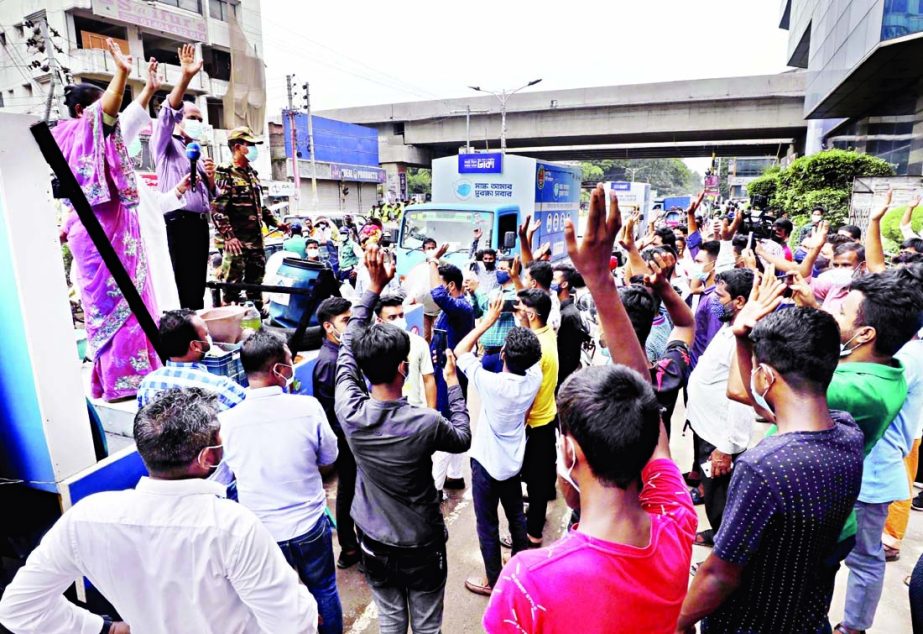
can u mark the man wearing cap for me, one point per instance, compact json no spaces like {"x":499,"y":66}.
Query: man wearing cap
{"x":239,"y":214}
{"x":178,"y":124}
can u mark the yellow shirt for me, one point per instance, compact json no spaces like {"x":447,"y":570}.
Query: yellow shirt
{"x":544,"y":409}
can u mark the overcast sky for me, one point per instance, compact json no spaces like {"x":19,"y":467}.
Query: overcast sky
{"x":364,"y":52}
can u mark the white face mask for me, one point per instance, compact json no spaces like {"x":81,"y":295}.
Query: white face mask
{"x":845,"y":350}
{"x":565,"y":472}
{"x":400,"y":322}
{"x":193,"y":128}
{"x":288,"y":379}
{"x":214,"y":466}
{"x":337,"y":335}
{"x":312,"y":253}
{"x":697,"y":272}
{"x":760,"y":399}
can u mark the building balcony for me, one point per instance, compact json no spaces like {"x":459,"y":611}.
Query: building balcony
{"x":95,"y":63}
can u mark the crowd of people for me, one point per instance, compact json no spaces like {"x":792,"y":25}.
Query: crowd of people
{"x":820,"y":343}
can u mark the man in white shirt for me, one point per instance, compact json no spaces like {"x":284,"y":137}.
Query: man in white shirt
{"x":420,"y":383}
{"x":172,"y":555}
{"x":499,"y":443}
{"x":722,"y":427}
{"x":276,"y":444}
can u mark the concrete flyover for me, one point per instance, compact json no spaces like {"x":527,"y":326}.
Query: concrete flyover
{"x":733,"y":116}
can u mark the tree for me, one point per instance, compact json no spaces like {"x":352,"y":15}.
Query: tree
{"x":419,"y":180}
{"x":823,"y":179}
{"x":667,"y":176}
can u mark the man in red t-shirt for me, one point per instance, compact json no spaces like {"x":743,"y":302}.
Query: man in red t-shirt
{"x":624,"y":566}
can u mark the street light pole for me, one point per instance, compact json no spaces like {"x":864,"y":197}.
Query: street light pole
{"x":468,"y":112}
{"x":503,"y":96}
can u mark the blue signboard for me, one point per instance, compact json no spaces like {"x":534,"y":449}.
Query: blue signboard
{"x":557,"y":198}
{"x":491,"y":163}
{"x":621,"y":186}
{"x":334,"y":141}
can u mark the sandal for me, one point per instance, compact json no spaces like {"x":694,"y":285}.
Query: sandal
{"x":892,"y":554}
{"x":704,"y":538}
{"x":478,"y":586}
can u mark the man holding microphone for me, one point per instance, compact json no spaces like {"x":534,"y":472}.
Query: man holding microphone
{"x":177,"y":128}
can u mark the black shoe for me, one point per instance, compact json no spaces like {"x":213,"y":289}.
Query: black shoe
{"x":348,"y":559}
{"x":507,"y":542}
{"x":917,"y":502}
{"x":454,"y":483}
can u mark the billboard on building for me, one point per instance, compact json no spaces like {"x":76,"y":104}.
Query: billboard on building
{"x":334,"y":141}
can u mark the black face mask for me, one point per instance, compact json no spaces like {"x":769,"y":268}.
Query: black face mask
{"x":490,"y":266}
{"x":777,"y":239}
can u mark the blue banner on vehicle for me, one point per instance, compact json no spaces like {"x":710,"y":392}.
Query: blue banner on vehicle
{"x":480,"y":163}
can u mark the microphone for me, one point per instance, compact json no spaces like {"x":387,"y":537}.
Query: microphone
{"x":193,"y":152}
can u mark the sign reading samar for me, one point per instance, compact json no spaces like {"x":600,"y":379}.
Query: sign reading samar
{"x":491,"y":163}
{"x":185,"y":24}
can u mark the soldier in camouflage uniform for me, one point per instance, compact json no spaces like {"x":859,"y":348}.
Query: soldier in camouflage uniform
{"x":238,"y":214}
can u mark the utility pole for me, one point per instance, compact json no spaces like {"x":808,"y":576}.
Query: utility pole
{"x":296,"y":176}
{"x":307,"y":103}
{"x":503,"y":96}
{"x":468,"y":112}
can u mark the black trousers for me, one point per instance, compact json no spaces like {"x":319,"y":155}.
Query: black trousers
{"x":538,"y":472}
{"x":346,"y":491}
{"x":715,"y":490}
{"x":187,"y":237}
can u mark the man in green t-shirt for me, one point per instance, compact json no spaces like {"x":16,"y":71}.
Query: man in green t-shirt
{"x":881,"y":313}
{"x":295,"y":244}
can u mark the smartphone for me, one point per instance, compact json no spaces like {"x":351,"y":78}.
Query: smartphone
{"x":789,"y":279}
{"x":706,"y":468}
{"x":441,"y":337}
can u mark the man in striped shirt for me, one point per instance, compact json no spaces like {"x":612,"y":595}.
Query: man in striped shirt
{"x":185,"y":338}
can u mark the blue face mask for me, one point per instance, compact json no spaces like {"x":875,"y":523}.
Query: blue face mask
{"x":720,"y":312}
{"x":555,"y":287}
{"x":760,"y":399}
{"x":502,"y":277}
{"x":252,"y":153}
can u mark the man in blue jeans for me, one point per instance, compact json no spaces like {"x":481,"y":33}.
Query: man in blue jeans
{"x":500,"y":441}
{"x":276,"y":444}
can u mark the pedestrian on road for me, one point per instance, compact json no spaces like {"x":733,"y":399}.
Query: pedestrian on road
{"x":402,"y":532}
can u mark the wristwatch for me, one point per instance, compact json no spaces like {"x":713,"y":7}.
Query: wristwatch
{"x":107,"y":625}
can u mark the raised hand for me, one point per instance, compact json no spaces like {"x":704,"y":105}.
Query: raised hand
{"x":591,"y":256}
{"x":749,"y":258}
{"x":441,"y":251}
{"x":516,"y":267}
{"x":879,"y":213}
{"x":695,"y":203}
{"x":818,"y":236}
{"x":527,"y":229}
{"x":478,"y":233}
{"x":765,"y":297}
{"x":448,"y":372}
{"x":494,"y":308}
{"x":121,"y":60}
{"x":187,"y":62}
{"x":914,"y":203}
{"x":153,"y":79}
{"x":655,"y":278}
{"x":802,"y":293}
{"x":380,"y":268}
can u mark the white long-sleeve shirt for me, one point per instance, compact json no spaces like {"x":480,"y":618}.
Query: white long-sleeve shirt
{"x":171,"y":556}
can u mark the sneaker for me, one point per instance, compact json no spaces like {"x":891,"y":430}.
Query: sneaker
{"x":507,"y":542}
{"x":917,"y":502}
{"x":348,"y":559}
{"x":478,"y":585}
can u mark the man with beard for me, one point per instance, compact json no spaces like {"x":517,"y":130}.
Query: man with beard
{"x":722,"y":427}
{"x":781,"y":231}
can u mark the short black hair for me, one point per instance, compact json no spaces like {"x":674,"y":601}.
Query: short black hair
{"x":491,"y":252}
{"x":739,"y":243}
{"x":739,"y":282}
{"x":907,"y":257}
{"x":451,"y":273}
{"x":712,"y":248}
{"x":802,"y":344}
{"x":852,"y":230}
{"x":613,"y":413}
{"x":539,"y":300}
{"x":177,"y":331}
{"x":641,"y":307}
{"x":311,"y":241}
{"x":818,"y":208}
{"x":428,"y":241}
{"x":331,"y":308}
{"x":261,"y":350}
{"x":391,"y":300}
{"x":570,"y":275}
{"x":521,"y":350}
{"x":682,"y":229}
{"x":836,"y":239}
{"x":667,"y":237}
{"x":914,"y":244}
{"x":892,"y":304}
{"x":541,"y":272}
{"x":380,"y":349}
{"x":785,"y":225}
{"x":848,"y":247}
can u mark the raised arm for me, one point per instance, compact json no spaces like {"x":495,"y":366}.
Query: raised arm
{"x":151,"y":85}
{"x":680,"y":314}
{"x":188,"y":69}
{"x":692,"y":224}
{"x":906,"y":220}
{"x":591,"y":258}
{"x":112,"y":98}
{"x":470,"y":340}
{"x":526,"y":231}
{"x":874,"y":250}
{"x":635,"y":264}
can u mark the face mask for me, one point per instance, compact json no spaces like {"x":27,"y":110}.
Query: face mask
{"x":721,"y":312}
{"x":565,"y":472}
{"x":555,"y":287}
{"x":134,"y":148}
{"x":816,"y":219}
{"x":503,"y":277}
{"x":312,"y":253}
{"x":402,"y":373}
{"x":698,"y":272}
{"x":336,"y":334}
{"x":845,"y":350}
{"x":840,"y":276}
{"x":193,"y":128}
{"x":760,"y":399}
{"x":288,"y":379}
{"x":400,"y":322}
{"x":213,"y":466}
{"x":490,"y":266}
{"x":428,"y":253}
{"x":207,"y":345}
{"x":605,"y":352}
{"x":252,"y":153}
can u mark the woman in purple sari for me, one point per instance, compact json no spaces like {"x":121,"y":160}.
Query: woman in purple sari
{"x":92,"y":144}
